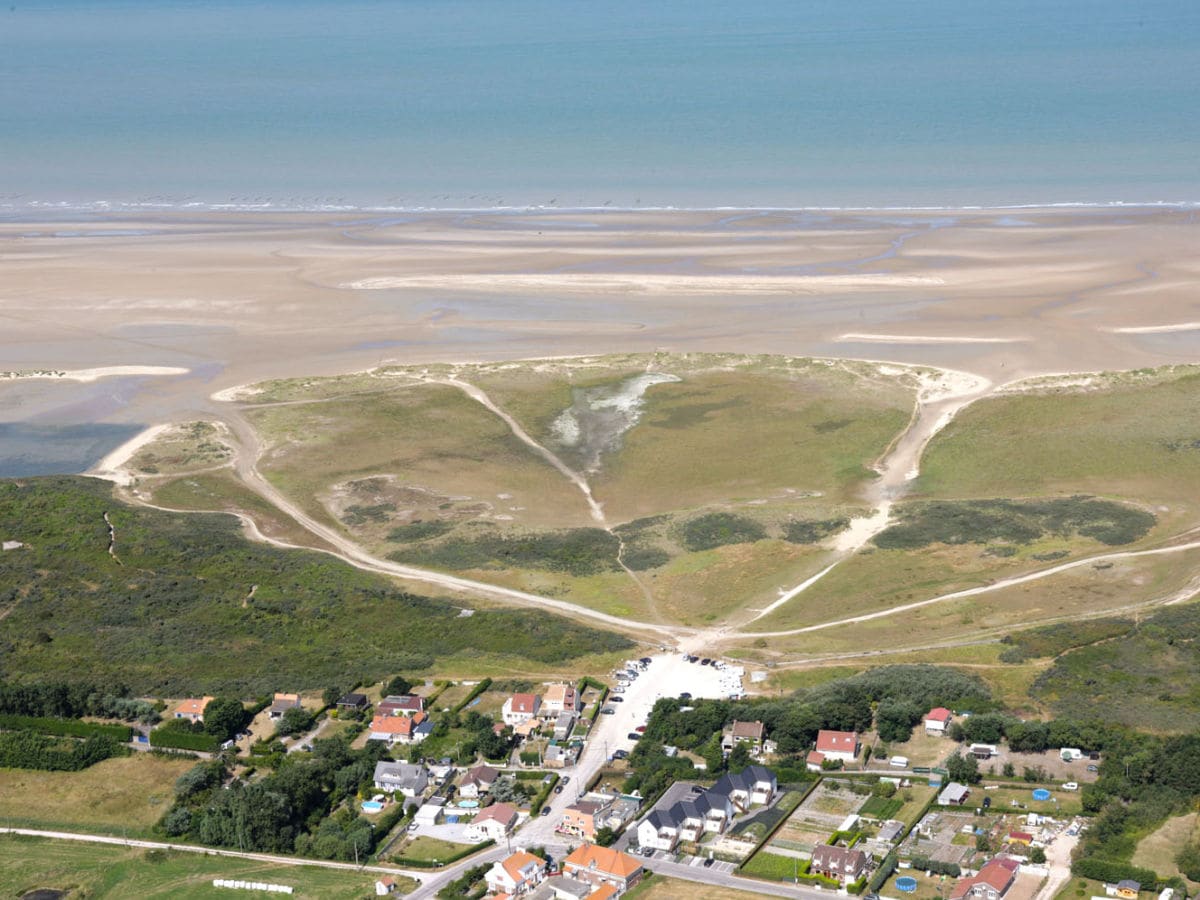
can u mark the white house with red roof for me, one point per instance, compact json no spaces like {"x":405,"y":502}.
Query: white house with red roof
{"x":515,"y":875}
{"x":520,"y":708}
{"x":841,"y":745}
{"x":495,"y":822}
{"x":937,"y":720}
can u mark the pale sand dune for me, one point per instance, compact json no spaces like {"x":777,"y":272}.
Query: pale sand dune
{"x":859,"y":337}
{"x":112,"y":466}
{"x":660,"y":284}
{"x":1156,"y":329}
{"x":86,"y":375}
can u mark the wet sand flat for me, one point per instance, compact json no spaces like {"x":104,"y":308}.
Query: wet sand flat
{"x":238,"y":297}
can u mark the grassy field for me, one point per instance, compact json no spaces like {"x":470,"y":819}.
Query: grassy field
{"x":1156,"y":851}
{"x":1130,"y":436}
{"x":1090,"y":590}
{"x":94,"y":870}
{"x":460,"y":493}
{"x":1081,"y":887}
{"x":771,"y":866}
{"x":1020,"y":799}
{"x":126,"y":795}
{"x":427,"y":848}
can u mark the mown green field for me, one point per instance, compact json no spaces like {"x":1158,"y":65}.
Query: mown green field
{"x":98,"y":870}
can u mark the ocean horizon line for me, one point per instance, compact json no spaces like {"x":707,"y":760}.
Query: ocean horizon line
{"x":122,"y":206}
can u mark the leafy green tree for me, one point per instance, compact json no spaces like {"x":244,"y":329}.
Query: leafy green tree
{"x":963,"y":769}
{"x":605,"y":837}
{"x":739,"y":758}
{"x":1037,"y":856}
{"x":399,"y":685}
{"x":884,"y":789}
{"x":295,"y":720}
{"x":224,"y":717}
{"x":1009,"y":770}
{"x":331,"y":695}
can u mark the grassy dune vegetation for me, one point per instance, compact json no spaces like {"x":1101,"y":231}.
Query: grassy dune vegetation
{"x":1131,"y":436}
{"x":1147,"y":675}
{"x":721,"y":491}
{"x":189,"y":606}
{"x":95,"y":870}
{"x":1091,"y":589}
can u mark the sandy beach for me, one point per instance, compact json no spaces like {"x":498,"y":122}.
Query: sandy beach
{"x":234,"y":298}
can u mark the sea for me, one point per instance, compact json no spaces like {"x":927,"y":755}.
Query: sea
{"x":413,"y":104}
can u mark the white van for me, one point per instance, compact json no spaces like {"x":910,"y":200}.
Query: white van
{"x":898,"y":762}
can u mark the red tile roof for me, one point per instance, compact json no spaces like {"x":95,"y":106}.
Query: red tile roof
{"x":837,"y":741}
{"x":939,"y":714}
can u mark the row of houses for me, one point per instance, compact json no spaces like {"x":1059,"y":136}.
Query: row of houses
{"x":192,"y":709}
{"x":708,"y":811}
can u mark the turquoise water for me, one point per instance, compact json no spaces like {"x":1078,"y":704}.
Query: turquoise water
{"x":480,"y":103}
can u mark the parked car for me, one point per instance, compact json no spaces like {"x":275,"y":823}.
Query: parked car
{"x":685,"y":696}
{"x":1093,"y":768}
{"x":646,"y":660}
{"x":558,"y":788}
{"x":617,"y":699}
{"x":545,"y":811}
{"x":621,"y":754}
{"x":708,"y":862}
{"x":634,"y":736}
{"x":608,"y":711}
{"x":1070,"y":786}
{"x":566,"y":779}
{"x":647,"y":852}
{"x":987,"y":802}
{"x":641,"y":729}
{"x":706,"y":661}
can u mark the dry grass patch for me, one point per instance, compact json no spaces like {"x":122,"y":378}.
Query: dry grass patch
{"x":1156,"y":851}
{"x":123,"y":795}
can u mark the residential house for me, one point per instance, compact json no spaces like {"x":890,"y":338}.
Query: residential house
{"x":410,"y":780}
{"x":520,"y":708}
{"x":193,"y":709}
{"x":993,"y":880}
{"x":813,"y":762}
{"x":579,"y":820}
{"x":1126,"y":889}
{"x":563,"y":725}
{"x":352,"y":702}
{"x":937,"y":720}
{"x":281,"y":704}
{"x":599,"y":866}
{"x":753,"y":786}
{"x":493,"y":823}
{"x":1020,"y":837}
{"x":478,"y":781}
{"x":516,"y":875}
{"x":559,"y":756}
{"x":560,"y":698}
{"x":400,"y":729}
{"x":400,"y":705}
{"x":954,"y":794}
{"x":842,"y":863}
{"x":840,"y":745}
{"x":687,"y":820}
{"x":749,"y":733}
{"x":385,"y":885}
